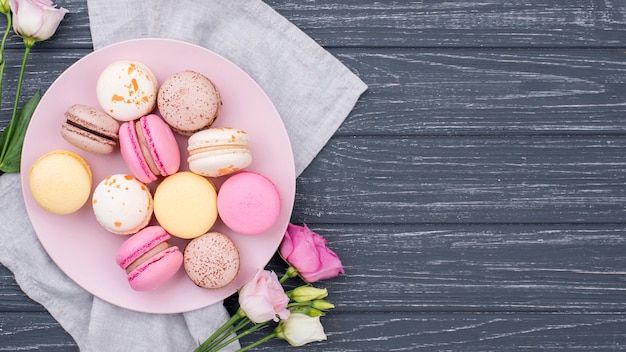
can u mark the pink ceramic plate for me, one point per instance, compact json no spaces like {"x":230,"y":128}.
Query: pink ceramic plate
{"x":83,"y":249}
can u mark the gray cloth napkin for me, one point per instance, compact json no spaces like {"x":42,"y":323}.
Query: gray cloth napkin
{"x":312,"y":91}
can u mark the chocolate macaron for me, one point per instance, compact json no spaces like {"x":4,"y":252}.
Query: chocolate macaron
{"x":90,"y":129}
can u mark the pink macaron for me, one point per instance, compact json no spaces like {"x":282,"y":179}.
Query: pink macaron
{"x":248,"y":203}
{"x":149,"y":260}
{"x":149,"y":148}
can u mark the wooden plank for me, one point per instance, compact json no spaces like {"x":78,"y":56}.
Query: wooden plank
{"x":392,"y":332}
{"x":416,"y":180}
{"x":477,"y":92}
{"x":475,"y":196}
{"x":12,"y":299}
{"x":465,"y":332}
{"x":459,"y":24}
{"x":516,"y":23}
{"x":49,"y":65}
{"x":461,"y":268}
{"x":476,"y":268}
{"x":479,"y":268}
{"x":440,"y":92}
{"x":33,"y":332}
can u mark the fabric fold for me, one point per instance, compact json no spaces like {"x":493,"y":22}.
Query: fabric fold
{"x":311,"y":89}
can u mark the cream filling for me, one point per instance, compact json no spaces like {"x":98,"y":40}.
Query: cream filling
{"x":215,"y":148}
{"x":149,"y":254}
{"x":145,"y":150}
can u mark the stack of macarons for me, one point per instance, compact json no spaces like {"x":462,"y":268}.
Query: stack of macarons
{"x":157,"y":198}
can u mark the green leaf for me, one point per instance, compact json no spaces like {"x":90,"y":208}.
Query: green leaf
{"x":12,"y":159}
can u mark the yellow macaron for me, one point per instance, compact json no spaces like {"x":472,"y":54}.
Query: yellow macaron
{"x":185,"y":204}
{"x":60,"y":181}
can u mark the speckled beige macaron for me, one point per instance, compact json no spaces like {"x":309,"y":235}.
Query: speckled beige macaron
{"x":211,"y":260}
{"x":189,"y":102}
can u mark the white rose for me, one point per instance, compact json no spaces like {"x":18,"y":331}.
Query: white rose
{"x":300,"y":329}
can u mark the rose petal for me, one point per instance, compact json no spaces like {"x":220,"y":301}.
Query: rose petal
{"x":286,"y":246}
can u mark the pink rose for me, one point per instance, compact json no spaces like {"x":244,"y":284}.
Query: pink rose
{"x":307,"y":252}
{"x":263,"y":298}
{"x":35,"y":20}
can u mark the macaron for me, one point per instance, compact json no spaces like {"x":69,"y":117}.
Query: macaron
{"x":211,"y":260}
{"x":185,"y":204}
{"x":148,"y":258}
{"x":90,"y":129}
{"x":149,"y":148}
{"x":127,"y":90}
{"x":248,"y":203}
{"x":122,"y":204}
{"x":216,"y":152}
{"x":189,"y":102}
{"x":60,"y":181}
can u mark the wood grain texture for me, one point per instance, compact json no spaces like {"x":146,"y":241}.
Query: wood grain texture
{"x":393,"y":332}
{"x":12,"y":299}
{"x":475,"y":194}
{"x":391,"y":180}
{"x":441,"y":92}
{"x":478,"y":268}
{"x":42,"y":69}
{"x":467,"y":332}
{"x":514,"y":23}
{"x":33,"y":332}
{"x":435,"y":24}
{"x":477,"y":92}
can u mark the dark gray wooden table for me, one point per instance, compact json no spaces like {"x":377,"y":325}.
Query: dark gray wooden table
{"x":475,"y":194}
